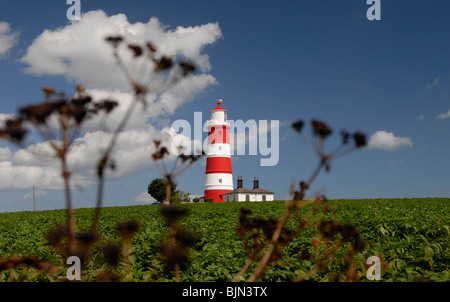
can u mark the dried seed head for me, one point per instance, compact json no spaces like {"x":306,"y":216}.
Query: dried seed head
{"x":55,"y":235}
{"x":183,"y":157}
{"x":38,"y":114}
{"x":359,"y":245}
{"x":360,"y":139}
{"x":81,"y":101}
{"x":298,"y":125}
{"x":286,"y":236}
{"x":80,"y":89}
{"x":128,"y":228}
{"x":329,"y":228}
{"x":348,"y":231}
{"x":77,"y":113}
{"x":135,"y":49}
{"x":172,"y":213}
{"x":111,"y":252}
{"x":173,"y":254}
{"x":86,"y":238}
{"x":185,"y":238}
{"x":345,"y":137}
{"x":163,"y":63}
{"x":14,"y":130}
{"x":320,"y":129}
{"x":303,"y":186}
{"x":258,"y":222}
{"x":245,"y":211}
{"x":48,"y":91}
{"x":160,"y":154}
{"x":270,"y":227}
{"x":114,"y":40}
{"x":107,"y":105}
{"x":305,"y":255}
{"x":187,"y":67}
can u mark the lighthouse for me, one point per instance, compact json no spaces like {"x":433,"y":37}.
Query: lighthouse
{"x":219,"y":177}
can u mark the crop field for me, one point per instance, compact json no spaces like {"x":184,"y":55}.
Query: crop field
{"x":411,"y":237}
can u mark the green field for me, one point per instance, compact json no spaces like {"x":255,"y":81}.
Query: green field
{"x":411,"y":235}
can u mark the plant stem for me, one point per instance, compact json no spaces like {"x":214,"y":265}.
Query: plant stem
{"x":273,"y":244}
{"x":243,"y":270}
{"x":66,"y":176}
{"x":103,"y":161}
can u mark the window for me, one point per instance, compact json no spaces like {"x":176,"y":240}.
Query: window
{"x":220,"y":197}
{"x":220,"y":148}
{"x":264,"y":198}
{"x":220,"y":180}
{"x":247,"y":197}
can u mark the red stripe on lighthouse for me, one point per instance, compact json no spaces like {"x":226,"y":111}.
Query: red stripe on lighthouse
{"x":218,"y":134}
{"x":216,"y":195}
{"x":218,"y":165}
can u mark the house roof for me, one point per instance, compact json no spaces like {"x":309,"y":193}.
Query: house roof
{"x":261,"y":191}
{"x":244,"y":190}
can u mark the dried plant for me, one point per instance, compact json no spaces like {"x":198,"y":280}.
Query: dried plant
{"x":270,"y":236}
{"x":175,"y":248}
{"x":161,"y":73}
{"x":59,"y":119}
{"x":27,"y":261}
{"x":181,"y":163}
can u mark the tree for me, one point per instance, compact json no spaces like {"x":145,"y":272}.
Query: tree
{"x":157,"y":189}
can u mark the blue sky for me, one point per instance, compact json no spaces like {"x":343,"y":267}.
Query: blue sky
{"x":267,"y":60}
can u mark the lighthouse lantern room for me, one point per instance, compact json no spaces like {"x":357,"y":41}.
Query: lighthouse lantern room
{"x":219,"y":177}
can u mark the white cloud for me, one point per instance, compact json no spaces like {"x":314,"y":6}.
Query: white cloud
{"x":192,"y":196}
{"x":144,"y":197}
{"x":79,"y":51}
{"x":24,"y":177}
{"x":396,"y":162}
{"x":421,"y":117}
{"x":435,"y":82}
{"x":132,"y":154}
{"x":8,"y":39}
{"x":5,"y":154}
{"x":4,"y":117}
{"x":38,"y":193}
{"x":443,"y":115}
{"x":388,"y":141}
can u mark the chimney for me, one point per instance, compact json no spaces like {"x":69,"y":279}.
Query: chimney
{"x":255,"y":183}
{"x":240,"y":182}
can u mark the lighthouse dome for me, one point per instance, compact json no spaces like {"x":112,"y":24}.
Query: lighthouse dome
{"x":218,"y":115}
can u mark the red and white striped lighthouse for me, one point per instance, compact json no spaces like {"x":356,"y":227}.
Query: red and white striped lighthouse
{"x":219,"y":177}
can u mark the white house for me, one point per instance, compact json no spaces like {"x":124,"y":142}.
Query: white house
{"x":243,"y":194}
